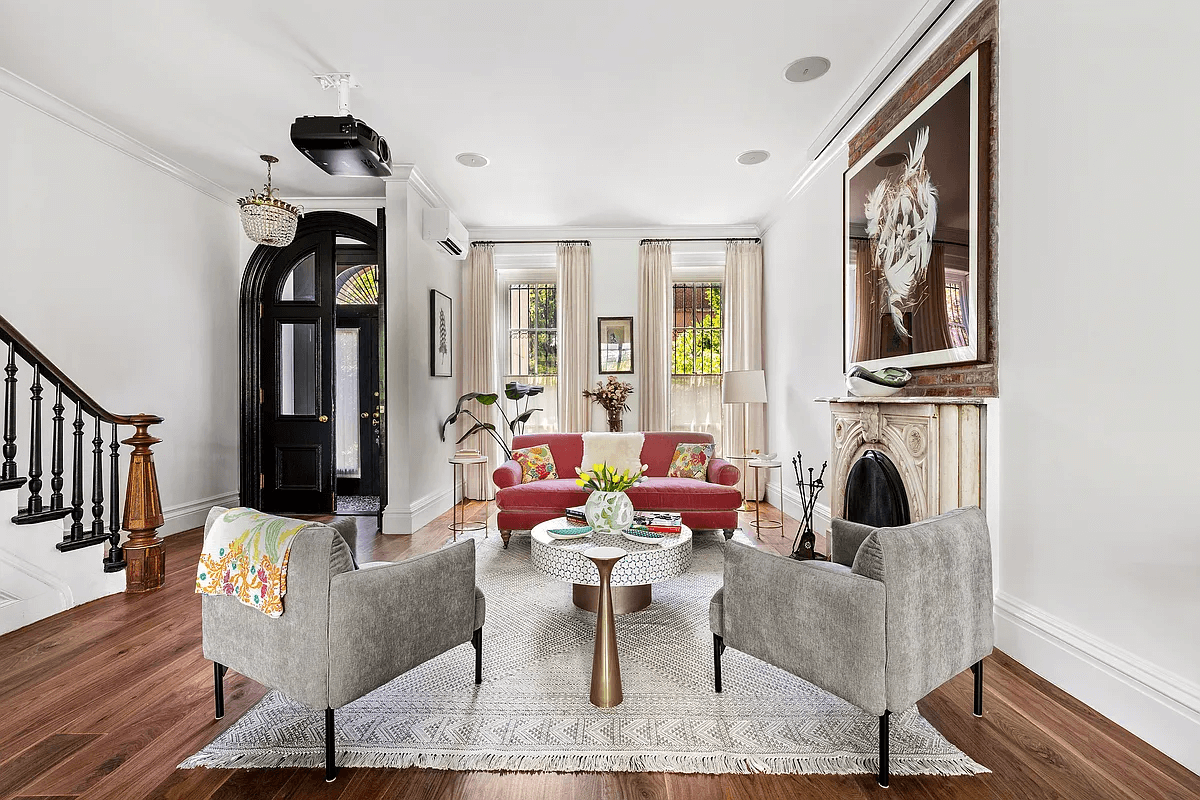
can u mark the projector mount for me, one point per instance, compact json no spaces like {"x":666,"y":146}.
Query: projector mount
{"x":343,"y":82}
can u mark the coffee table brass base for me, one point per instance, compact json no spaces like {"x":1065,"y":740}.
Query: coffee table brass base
{"x":625,"y":599}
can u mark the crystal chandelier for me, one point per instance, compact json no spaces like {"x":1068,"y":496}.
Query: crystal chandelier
{"x":265,"y":218}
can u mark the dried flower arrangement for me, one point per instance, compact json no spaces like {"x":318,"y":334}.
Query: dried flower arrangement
{"x":613,"y":396}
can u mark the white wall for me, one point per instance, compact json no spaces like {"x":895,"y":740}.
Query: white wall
{"x":420,"y":482}
{"x":1098,"y":286}
{"x":128,"y":280}
{"x":1090,"y":476}
{"x":614,"y":294}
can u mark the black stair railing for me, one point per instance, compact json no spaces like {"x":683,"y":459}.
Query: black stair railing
{"x":143,"y":510}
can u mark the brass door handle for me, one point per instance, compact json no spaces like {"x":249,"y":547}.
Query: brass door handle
{"x":322,"y":418}
{"x":365,"y":415}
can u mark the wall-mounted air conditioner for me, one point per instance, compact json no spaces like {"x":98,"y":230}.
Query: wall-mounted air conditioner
{"x":442,"y":228}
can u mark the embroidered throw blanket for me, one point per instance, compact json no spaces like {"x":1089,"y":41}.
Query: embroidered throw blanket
{"x":246,"y":555}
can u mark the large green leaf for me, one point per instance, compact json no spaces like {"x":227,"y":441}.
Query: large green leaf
{"x":521,"y":419}
{"x":478,"y":426}
{"x":515,"y":390}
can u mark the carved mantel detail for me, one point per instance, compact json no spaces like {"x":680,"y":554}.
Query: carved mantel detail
{"x":937,"y":447}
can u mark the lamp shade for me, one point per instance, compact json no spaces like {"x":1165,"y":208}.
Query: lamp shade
{"x":744,"y":386}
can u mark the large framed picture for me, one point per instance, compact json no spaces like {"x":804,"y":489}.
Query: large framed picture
{"x":441,"y":335}
{"x":915,"y":232}
{"x":614,"y":337}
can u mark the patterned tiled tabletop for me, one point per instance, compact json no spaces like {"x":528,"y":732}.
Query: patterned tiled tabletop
{"x":646,"y":563}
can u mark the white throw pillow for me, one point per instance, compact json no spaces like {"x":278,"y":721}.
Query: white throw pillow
{"x":621,"y":451}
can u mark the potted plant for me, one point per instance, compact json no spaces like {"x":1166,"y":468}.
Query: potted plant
{"x":608,"y":508}
{"x":613,"y":396}
{"x":513,"y":391}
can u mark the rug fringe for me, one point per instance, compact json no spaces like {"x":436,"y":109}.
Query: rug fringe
{"x":483,"y":761}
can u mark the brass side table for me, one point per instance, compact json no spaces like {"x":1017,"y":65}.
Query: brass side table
{"x":459,"y":517}
{"x":606,"y":663}
{"x":759,"y":523}
{"x":744,"y":469}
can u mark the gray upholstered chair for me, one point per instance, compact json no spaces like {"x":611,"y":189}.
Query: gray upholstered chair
{"x":344,"y":631}
{"x":893,"y":616}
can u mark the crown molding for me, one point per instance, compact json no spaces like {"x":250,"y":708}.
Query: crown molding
{"x":556,"y":233}
{"x":56,"y":108}
{"x":408,"y":173}
{"x":337,"y":203}
{"x":924,"y":34}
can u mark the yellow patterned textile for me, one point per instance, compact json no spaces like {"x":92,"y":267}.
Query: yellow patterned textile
{"x":537,"y":463}
{"x":246,"y":556}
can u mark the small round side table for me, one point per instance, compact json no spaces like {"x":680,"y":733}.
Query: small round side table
{"x":759,"y":523}
{"x":459,"y":523}
{"x":745,"y":461}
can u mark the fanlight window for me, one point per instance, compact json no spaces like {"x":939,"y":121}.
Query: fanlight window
{"x":359,"y":286}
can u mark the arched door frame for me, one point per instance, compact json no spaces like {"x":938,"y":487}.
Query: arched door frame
{"x":259,"y":271}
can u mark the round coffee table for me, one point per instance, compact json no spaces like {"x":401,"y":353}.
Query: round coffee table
{"x":632,"y":576}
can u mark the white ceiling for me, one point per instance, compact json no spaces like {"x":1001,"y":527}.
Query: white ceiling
{"x":595,"y":114}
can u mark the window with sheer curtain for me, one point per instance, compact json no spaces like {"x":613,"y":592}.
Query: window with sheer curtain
{"x":696,"y":332}
{"x":529,"y":345}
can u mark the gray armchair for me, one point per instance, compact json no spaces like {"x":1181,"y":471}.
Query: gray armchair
{"x":894,"y":615}
{"x":344,"y":631}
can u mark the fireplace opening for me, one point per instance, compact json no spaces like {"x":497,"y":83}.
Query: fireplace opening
{"x":875,"y":493}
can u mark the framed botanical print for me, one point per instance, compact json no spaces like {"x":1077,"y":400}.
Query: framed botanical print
{"x":916,"y":231}
{"x":614,"y":337}
{"x":441,"y":335}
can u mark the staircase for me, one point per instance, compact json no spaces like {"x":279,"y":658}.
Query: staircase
{"x":56,"y":551}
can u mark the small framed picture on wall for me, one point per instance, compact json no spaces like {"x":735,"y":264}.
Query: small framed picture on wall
{"x":441,"y":335}
{"x":615,"y":339}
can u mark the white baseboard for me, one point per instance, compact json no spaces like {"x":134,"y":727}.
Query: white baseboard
{"x":422,"y":512}
{"x":186,"y":516}
{"x":1154,"y":704}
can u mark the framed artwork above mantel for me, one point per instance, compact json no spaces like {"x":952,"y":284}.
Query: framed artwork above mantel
{"x":917,"y":230}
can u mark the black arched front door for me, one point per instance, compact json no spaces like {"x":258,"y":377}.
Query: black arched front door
{"x":290,"y":370}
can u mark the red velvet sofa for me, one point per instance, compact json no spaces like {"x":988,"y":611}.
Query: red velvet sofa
{"x":705,"y":505}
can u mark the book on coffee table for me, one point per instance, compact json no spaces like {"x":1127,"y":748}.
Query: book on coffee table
{"x":659,"y":521}
{"x":576,"y":514}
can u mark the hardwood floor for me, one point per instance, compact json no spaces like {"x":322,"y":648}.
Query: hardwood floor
{"x":103,"y":700}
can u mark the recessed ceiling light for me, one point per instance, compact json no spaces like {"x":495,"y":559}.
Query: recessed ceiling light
{"x":753,"y":157}
{"x":804,"y":69}
{"x":471,"y":160}
{"x":890,"y":159}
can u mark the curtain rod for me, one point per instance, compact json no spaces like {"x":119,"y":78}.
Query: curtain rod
{"x":725,"y":239}
{"x":537,"y":241}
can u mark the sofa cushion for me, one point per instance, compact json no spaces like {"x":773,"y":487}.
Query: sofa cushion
{"x":619,"y":451}
{"x":691,"y":461}
{"x":683,"y":494}
{"x":868,"y":561}
{"x":557,"y":494}
{"x":537,"y":463}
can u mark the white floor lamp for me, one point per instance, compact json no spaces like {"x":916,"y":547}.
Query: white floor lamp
{"x":744,"y":386}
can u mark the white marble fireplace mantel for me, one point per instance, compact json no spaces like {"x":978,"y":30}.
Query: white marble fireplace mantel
{"x":938,"y":445}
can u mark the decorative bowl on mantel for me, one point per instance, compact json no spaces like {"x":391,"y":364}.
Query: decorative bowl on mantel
{"x":862,"y":382}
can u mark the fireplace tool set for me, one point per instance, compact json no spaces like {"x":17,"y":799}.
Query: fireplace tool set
{"x":804,"y":545}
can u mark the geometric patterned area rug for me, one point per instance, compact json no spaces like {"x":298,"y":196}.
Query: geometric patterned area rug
{"x":532,"y":711}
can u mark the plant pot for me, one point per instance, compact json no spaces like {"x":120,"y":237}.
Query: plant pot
{"x":609,"y":512}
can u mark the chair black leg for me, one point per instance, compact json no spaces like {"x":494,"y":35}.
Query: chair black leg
{"x":977,"y":668}
{"x":718,"y":649}
{"x":728,"y":532}
{"x":219,"y":687}
{"x":330,"y":766}
{"x":477,"y":643}
{"x":883,"y":749}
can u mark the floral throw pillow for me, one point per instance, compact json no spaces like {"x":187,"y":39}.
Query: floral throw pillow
{"x":691,"y":461}
{"x":537,"y":463}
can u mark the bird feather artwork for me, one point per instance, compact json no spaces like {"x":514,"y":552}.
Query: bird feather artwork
{"x":901,"y":220}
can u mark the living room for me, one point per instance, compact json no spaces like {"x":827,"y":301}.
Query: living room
{"x":665,"y":196}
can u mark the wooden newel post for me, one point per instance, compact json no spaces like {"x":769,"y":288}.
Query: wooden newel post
{"x":146,"y":566}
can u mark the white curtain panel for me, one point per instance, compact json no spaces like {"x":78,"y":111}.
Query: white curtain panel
{"x":654,"y":312}
{"x":574,"y":325}
{"x":479,"y":373}
{"x":743,"y":345}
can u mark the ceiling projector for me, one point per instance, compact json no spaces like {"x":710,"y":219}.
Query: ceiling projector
{"x":342,"y":145}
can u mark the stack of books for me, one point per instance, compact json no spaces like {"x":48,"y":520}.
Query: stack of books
{"x":666,"y":522}
{"x":575,"y":515}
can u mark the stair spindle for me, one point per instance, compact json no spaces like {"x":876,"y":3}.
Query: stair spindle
{"x":98,"y":484}
{"x":56,"y":452}
{"x":115,"y":560}
{"x":34,"y":506}
{"x":76,"y":477}
{"x":8,"y":472}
